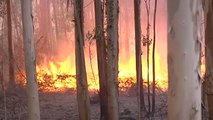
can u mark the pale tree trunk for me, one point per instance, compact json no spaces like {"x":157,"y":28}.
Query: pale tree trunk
{"x":30,"y":62}
{"x":81,"y":76}
{"x":112,"y":58}
{"x":184,"y":36}
{"x":10,"y":47}
{"x":101,"y":56}
{"x":209,"y":59}
{"x":138,"y":54}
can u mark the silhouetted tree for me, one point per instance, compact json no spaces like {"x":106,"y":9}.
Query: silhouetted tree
{"x":138,"y":54}
{"x":153,"y":59}
{"x":10,"y":47}
{"x":81,"y":76}
{"x":112,"y":58}
{"x":101,"y":56}
{"x":209,"y":55}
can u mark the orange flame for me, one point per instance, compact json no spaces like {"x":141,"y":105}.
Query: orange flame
{"x":60,"y":75}
{"x":56,"y":76}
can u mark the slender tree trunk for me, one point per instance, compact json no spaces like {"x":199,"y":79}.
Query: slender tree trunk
{"x":63,"y":10}
{"x":147,"y":4}
{"x":127,"y":36}
{"x":55,"y":41}
{"x":209,"y":59}
{"x":10,"y":48}
{"x":137,"y":10}
{"x":101,"y":56}
{"x":81,"y":77}
{"x":112,"y":58}
{"x":44,"y":25}
{"x":153,"y":59}
{"x":2,"y":81}
{"x":184,"y":36}
{"x":30,"y":62}
{"x":55,"y":13}
{"x":16,"y":21}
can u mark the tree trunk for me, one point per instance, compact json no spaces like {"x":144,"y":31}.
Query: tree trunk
{"x":10,"y":48}
{"x":16,"y":19}
{"x":147,"y":4}
{"x":184,"y":36}
{"x":209,"y":59}
{"x":44,"y":26}
{"x":30,"y":62}
{"x":153,"y":59}
{"x":112,"y":58}
{"x":101,"y":56}
{"x":137,"y":10}
{"x":81,"y":76}
{"x":55,"y":13}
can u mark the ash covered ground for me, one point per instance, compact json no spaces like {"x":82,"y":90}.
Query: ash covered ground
{"x":63,"y":105}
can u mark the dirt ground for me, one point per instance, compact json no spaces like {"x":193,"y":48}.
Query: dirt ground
{"x":63,"y":106}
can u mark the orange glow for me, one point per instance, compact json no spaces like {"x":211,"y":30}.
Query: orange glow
{"x":127,"y":73}
{"x":56,"y":76}
{"x":59,"y":76}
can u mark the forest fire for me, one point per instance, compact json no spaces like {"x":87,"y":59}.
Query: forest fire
{"x":106,"y":59}
{"x":54,"y":76}
{"x":59,"y":74}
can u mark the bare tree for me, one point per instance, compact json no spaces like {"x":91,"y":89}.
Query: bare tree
{"x":153,"y":58}
{"x":147,"y":42}
{"x":184,"y":36}
{"x":44,"y":21}
{"x":112,"y":58}
{"x":209,"y":55}
{"x":138,"y":54}
{"x":81,"y":76}
{"x":2,"y":80}
{"x":101,"y":56}
{"x":10,"y":47}
{"x":30,"y":62}
{"x":55,"y":13}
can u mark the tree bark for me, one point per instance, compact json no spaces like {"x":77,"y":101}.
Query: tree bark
{"x":147,"y":4}
{"x":209,"y":59}
{"x":30,"y":62}
{"x":184,"y":36}
{"x":101,"y":56}
{"x":10,"y":48}
{"x":138,"y":54}
{"x":81,"y":76}
{"x":112,"y":58}
{"x":153,"y":59}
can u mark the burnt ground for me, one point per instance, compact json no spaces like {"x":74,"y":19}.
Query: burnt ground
{"x":63,"y":106}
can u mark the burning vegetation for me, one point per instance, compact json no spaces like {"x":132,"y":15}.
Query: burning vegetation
{"x":77,"y":42}
{"x":55,"y":76}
